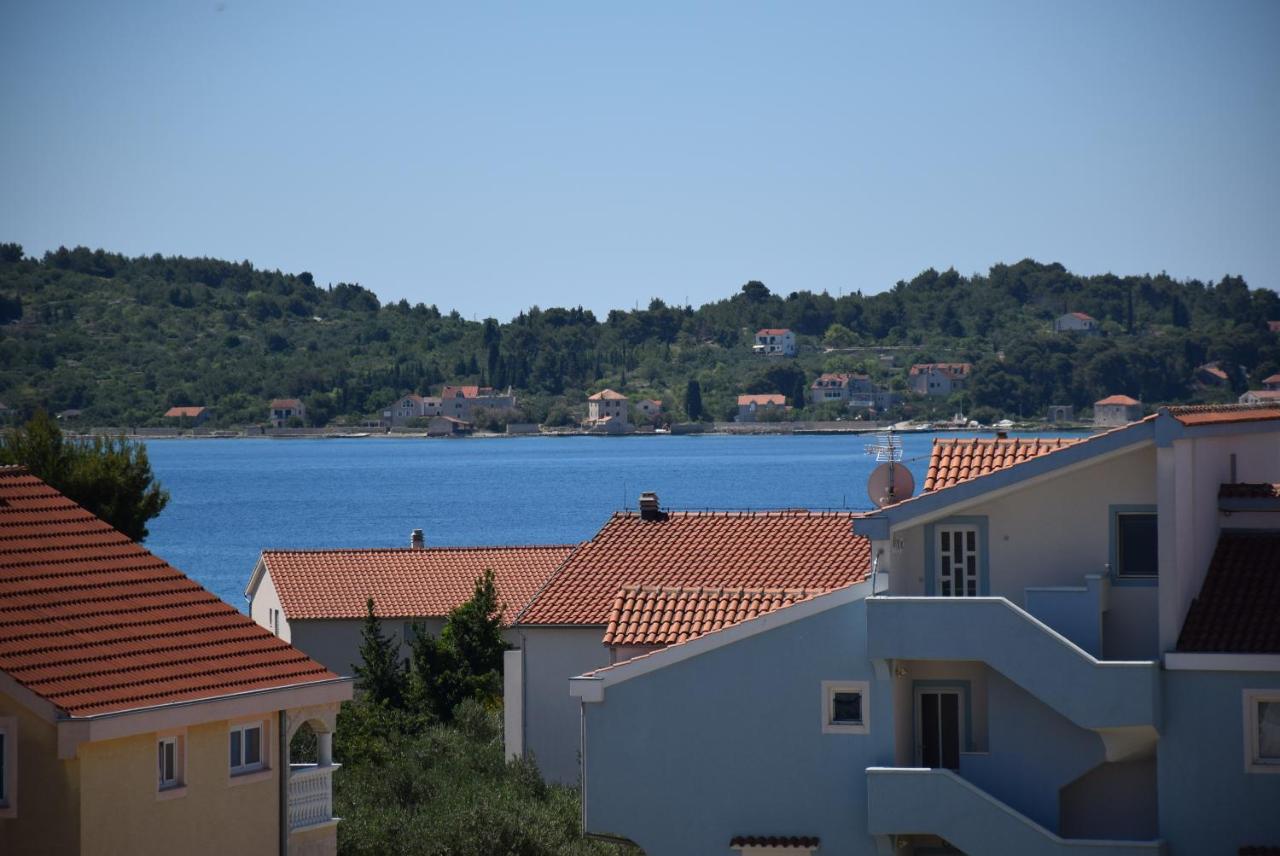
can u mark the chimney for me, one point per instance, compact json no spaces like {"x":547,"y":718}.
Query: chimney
{"x":416,"y":541}
{"x":649,"y":509}
{"x":1002,"y":435}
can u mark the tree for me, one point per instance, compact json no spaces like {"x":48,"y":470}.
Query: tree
{"x":693,"y":400}
{"x":380,"y":672}
{"x":110,"y":477}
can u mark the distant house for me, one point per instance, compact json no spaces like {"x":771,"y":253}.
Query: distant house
{"x":139,"y":713}
{"x":1271,"y":383}
{"x":1060,"y":413}
{"x":1212,"y":375}
{"x":192,"y":416}
{"x":649,"y":407}
{"x":461,"y":402}
{"x":752,"y":407}
{"x":410,"y":407}
{"x":608,"y":405}
{"x":1075,"y":322}
{"x":775,"y":341}
{"x":1273,"y":326}
{"x":1261,"y":396}
{"x":851,"y":390}
{"x":284,"y":409}
{"x":315,"y":599}
{"x":1116,"y":410}
{"x":939,"y":378}
{"x":447,"y":426}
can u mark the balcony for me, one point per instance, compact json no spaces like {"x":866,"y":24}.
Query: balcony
{"x":310,"y":795}
{"x":1118,"y":699}
{"x":910,"y":801}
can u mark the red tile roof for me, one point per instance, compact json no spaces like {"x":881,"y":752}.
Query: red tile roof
{"x":773,"y":398}
{"x":94,"y":623}
{"x":772,"y":331}
{"x":607,"y":395}
{"x":665,"y":615}
{"x":188,"y":412}
{"x":952,"y":370}
{"x":1209,"y":414}
{"x":838,"y":380}
{"x":460,"y":391}
{"x":1082,"y":316}
{"x":405,"y":583}
{"x":1237,"y":608}
{"x":1275,"y":378}
{"x":954,"y":461}
{"x":769,"y":549}
{"x":285,"y":404}
{"x":1116,"y":400}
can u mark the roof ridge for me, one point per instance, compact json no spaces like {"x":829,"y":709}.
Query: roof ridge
{"x":413,"y":550}
{"x":551,"y":577}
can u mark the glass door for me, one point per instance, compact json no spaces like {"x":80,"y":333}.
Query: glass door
{"x":957,"y":552}
{"x":939,"y":725}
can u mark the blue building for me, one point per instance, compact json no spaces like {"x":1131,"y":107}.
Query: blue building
{"x":1065,"y":647}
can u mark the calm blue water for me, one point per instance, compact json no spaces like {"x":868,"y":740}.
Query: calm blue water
{"x":231,"y":499}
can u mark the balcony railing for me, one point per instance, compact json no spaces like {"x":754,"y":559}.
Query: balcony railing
{"x":310,"y":795}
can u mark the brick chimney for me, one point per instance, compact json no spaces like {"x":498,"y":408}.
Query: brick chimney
{"x":649,"y":509}
{"x":416,"y":541}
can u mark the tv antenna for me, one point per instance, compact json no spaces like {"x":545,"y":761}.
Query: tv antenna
{"x":891,"y":481}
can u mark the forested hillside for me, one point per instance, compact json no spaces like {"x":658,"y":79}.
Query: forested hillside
{"x":122,"y":339}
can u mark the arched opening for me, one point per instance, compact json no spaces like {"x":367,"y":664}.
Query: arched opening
{"x":304,"y":747}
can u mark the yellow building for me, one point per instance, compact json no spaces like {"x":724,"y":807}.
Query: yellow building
{"x":139,"y":713}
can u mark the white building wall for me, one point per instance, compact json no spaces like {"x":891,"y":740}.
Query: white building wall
{"x":265,"y":599}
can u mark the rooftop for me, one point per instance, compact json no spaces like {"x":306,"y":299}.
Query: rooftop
{"x":772,"y":331}
{"x":730,"y":550}
{"x":607,"y":395}
{"x":405,"y":582}
{"x":1236,"y":609}
{"x":774,"y":398}
{"x":666,"y":615}
{"x":187,"y":412}
{"x":961,"y":459}
{"x":94,"y":623}
{"x":1208,"y":414}
{"x":1123,"y":400}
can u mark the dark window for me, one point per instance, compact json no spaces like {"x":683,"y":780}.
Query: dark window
{"x":846,"y":708}
{"x":3,"y":771}
{"x":1136,"y":551}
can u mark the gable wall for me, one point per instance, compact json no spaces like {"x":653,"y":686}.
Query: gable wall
{"x":48,"y":790}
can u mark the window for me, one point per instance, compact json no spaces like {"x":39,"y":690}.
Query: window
{"x":169,"y":762}
{"x":958,"y":561}
{"x":1262,"y":731}
{"x":1136,"y":545}
{"x":845,"y":707}
{"x":247,"y":748}
{"x":273,"y":616}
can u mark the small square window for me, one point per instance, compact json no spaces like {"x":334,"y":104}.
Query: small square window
{"x":1262,"y":731}
{"x":845,"y":707}
{"x":246,"y":748}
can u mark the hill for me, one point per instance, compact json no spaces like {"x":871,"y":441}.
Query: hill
{"x":122,"y":339}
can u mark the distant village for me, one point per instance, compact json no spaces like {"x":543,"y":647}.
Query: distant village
{"x":833,"y":402}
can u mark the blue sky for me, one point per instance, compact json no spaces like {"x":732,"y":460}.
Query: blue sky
{"x":491,"y":156}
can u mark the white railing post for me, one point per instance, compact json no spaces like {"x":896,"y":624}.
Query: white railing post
{"x":310,"y":794}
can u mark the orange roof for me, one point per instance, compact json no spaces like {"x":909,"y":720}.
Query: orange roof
{"x":1082,"y":316}
{"x":94,"y":623}
{"x":1235,"y":611}
{"x":187,"y":412}
{"x":954,"y":461}
{"x":1118,"y":400}
{"x":405,"y":582}
{"x":1207,"y":414}
{"x":285,"y":404}
{"x":657,"y":615}
{"x":1275,"y":378}
{"x":772,"y":331}
{"x":762,"y":400}
{"x":607,"y":395}
{"x":952,"y":369}
{"x":769,"y":549}
{"x":460,"y":391}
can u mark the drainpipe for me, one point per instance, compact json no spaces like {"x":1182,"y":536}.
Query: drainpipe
{"x":282,"y":730}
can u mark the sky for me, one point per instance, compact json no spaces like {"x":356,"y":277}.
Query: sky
{"x":492,"y":156}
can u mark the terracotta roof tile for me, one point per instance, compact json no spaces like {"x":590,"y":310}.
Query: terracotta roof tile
{"x":762,"y":400}
{"x":1123,"y":400}
{"x":607,"y":395}
{"x":179,"y":412}
{"x":660,"y":615}
{"x":954,"y":461}
{"x":409,"y":583}
{"x":285,"y":404}
{"x":952,"y":370}
{"x":95,"y":623}
{"x":772,"y":331}
{"x":1237,"y":608}
{"x":775,"y":549}
{"x":1209,"y":414}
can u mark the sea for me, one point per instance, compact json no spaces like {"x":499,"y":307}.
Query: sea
{"x":231,"y":499}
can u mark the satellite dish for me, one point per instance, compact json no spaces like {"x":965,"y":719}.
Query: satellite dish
{"x":889,"y":483}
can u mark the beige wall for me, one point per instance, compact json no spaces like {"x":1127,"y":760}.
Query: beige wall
{"x":265,"y":599}
{"x":48,"y":790}
{"x":122,"y":813}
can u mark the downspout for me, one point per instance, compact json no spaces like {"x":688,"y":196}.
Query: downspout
{"x":282,"y":727}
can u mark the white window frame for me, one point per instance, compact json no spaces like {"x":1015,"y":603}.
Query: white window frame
{"x":237,"y":731}
{"x":1252,"y":760}
{"x":939,"y":556}
{"x":829,"y":690}
{"x":9,"y":769}
{"x":178,"y":786}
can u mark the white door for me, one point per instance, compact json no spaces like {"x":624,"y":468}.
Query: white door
{"x":957,"y":550}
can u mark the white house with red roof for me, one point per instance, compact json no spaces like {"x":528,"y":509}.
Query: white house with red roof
{"x":608,"y":407}
{"x":1063,"y":647}
{"x":316,"y":599}
{"x":409,"y":407}
{"x":775,"y":341}
{"x":461,"y":402}
{"x":939,"y":379}
{"x":1116,"y":410}
{"x":281,"y":410}
{"x":757,"y":406}
{"x":1076,"y":322}
{"x":139,"y":713}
